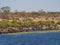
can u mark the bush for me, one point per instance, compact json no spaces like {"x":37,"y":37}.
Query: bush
{"x":6,"y":23}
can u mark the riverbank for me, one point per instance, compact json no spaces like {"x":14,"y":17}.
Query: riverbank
{"x":33,"y":32}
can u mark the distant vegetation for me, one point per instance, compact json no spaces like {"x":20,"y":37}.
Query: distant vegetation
{"x":26,"y":23}
{"x":28,"y":20}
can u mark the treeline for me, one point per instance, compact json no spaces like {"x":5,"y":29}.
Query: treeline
{"x":7,"y":14}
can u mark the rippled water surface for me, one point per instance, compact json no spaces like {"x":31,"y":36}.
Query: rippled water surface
{"x":31,"y":39}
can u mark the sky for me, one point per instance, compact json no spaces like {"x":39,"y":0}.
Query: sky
{"x":31,"y":5}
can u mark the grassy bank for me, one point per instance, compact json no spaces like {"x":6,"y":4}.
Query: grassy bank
{"x":34,"y":32}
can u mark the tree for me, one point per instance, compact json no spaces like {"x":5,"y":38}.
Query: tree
{"x":58,"y":22}
{"x":6,"y":11}
{"x":27,"y":21}
{"x":3,"y":23}
{"x":41,"y":23}
{"x":15,"y":23}
{"x":34,"y":23}
{"x":49,"y":24}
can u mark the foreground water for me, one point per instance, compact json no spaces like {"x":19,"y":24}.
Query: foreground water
{"x":52,"y":38}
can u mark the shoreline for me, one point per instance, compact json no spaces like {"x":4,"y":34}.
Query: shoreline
{"x":33,"y":32}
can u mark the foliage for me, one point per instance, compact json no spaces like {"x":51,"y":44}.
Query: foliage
{"x":6,"y":23}
{"x":3,"y":23}
{"x":15,"y":23}
{"x":58,"y":22}
{"x":27,"y":22}
{"x":45,"y":22}
{"x":5,"y":9}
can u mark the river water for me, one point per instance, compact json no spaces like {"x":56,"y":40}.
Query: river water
{"x":52,"y":38}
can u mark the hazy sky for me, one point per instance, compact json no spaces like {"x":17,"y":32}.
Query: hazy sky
{"x":31,"y":5}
